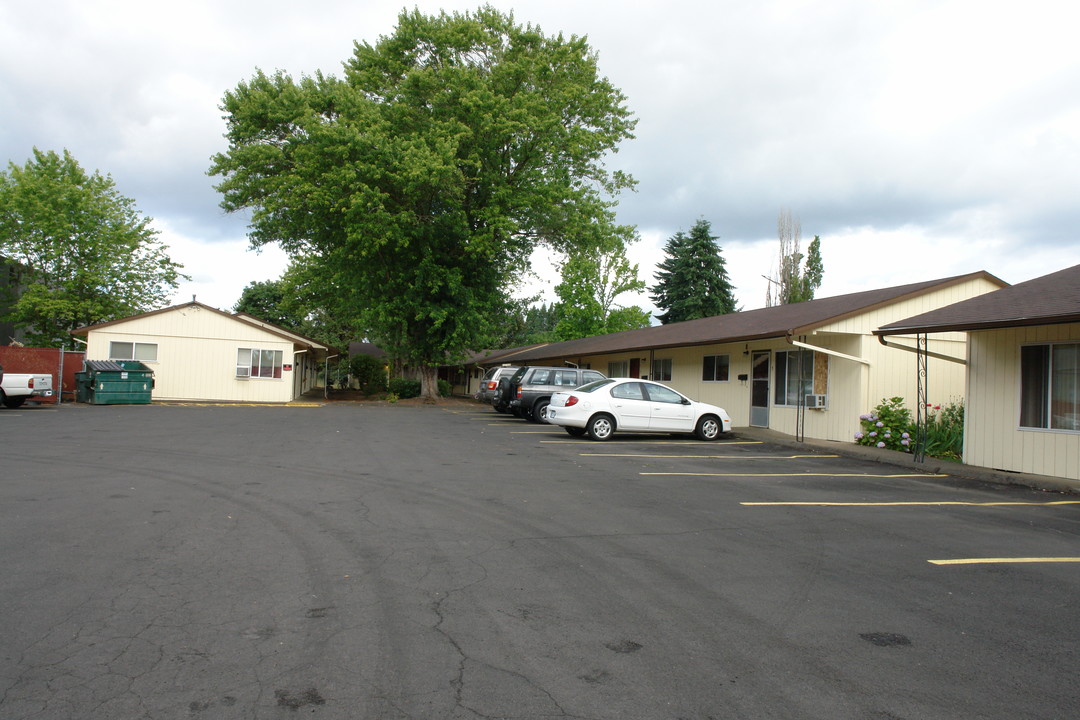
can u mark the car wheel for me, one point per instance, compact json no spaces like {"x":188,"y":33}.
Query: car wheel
{"x":708,"y":428}
{"x":601,"y":427}
{"x":539,"y":411}
{"x":13,"y":402}
{"x":574,"y":431}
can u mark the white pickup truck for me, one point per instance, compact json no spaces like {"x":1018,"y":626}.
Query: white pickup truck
{"x":17,"y":388}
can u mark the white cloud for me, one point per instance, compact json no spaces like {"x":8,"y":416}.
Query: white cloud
{"x":920,"y":139}
{"x":220,"y":271}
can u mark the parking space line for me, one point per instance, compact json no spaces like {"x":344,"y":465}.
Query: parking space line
{"x":797,"y":475}
{"x":991,"y":561}
{"x":651,"y":442}
{"x":926,"y":503}
{"x":712,"y":457}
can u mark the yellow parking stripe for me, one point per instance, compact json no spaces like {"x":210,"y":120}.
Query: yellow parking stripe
{"x":796,"y":475}
{"x":989,"y":561}
{"x":714,"y":457}
{"x":237,"y":404}
{"x":653,"y":442}
{"x":929,"y":503}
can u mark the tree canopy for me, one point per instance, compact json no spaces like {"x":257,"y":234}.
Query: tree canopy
{"x":83,"y":252}
{"x":692,"y":280}
{"x":419,"y":183}
{"x":269,"y":300}
{"x":793,"y":281}
{"x":592,"y":279}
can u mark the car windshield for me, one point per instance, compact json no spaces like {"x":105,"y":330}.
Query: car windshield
{"x":594,"y":385}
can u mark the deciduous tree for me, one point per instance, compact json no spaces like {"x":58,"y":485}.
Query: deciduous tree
{"x":592,"y":280}
{"x":269,"y":300}
{"x":420,"y":182}
{"x":83,"y":252}
{"x":793,"y":282}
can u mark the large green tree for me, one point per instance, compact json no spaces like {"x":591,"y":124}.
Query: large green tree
{"x":592,"y":279}
{"x":269,"y":300}
{"x":692,"y":280}
{"x":421,"y":181}
{"x":84,"y":253}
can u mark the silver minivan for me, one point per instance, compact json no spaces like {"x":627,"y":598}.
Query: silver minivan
{"x":490,"y":384}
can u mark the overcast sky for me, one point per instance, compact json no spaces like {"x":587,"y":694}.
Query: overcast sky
{"x":919,"y":139}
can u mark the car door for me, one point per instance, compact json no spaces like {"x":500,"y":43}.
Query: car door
{"x":667,"y":410}
{"x":630,"y":405}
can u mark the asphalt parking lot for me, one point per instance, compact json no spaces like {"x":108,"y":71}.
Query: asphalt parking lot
{"x":351,"y":561}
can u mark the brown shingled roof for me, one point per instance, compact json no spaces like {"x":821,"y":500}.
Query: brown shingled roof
{"x":772,"y":322}
{"x":1048,"y":300}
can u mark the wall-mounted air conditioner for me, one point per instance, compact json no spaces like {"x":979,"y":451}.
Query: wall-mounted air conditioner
{"x":815,"y":402}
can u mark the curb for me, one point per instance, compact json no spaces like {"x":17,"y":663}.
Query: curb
{"x":931,"y":466}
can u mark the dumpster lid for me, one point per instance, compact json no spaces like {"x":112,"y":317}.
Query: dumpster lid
{"x":104,"y":366}
{"x":114,"y":366}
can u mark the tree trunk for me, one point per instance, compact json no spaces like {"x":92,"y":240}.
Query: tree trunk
{"x":429,"y":383}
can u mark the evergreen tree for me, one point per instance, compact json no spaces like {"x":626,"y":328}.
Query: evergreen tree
{"x":692,"y":281}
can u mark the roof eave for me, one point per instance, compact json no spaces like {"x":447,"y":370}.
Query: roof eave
{"x":984,"y":325}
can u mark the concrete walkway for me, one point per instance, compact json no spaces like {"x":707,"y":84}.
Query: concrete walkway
{"x":904,"y":460}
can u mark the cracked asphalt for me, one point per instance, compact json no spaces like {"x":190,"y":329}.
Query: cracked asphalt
{"x":366,"y":562}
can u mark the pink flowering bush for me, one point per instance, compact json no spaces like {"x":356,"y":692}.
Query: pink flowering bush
{"x":888,"y":426}
{"x":891,"y":426}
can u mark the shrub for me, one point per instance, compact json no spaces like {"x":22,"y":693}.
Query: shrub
{"x":445,"y":388}
{"x":369,"y":373}
{"x":405,"y":387}
{"x":889,"y":426}
{"x":945,"y":430}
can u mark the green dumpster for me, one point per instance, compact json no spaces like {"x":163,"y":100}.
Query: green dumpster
{"x":123,"y":382}
{"x":82,"y":387}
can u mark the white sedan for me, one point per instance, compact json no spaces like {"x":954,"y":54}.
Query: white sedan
{"x":602,"y":407}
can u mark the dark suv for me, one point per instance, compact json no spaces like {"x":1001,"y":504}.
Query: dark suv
{"x":532,"y":388}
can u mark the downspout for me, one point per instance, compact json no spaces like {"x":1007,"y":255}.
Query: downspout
{"x":908,"y":348}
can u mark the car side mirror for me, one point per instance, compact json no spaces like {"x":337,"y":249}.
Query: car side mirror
{"x":685,"y":401}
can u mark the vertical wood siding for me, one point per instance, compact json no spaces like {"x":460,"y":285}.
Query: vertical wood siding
{"x":197,"y":355}
{"x":993,"y":436}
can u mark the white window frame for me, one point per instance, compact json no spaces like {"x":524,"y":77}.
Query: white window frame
{"x":663,"y":364}
{"x":137,"y":349}
{"x":244,"y":367}
{"x":808,"y":387}
{"x":716,"y":358}
{"x":618,"y":369}
{"x":1049,"y":376}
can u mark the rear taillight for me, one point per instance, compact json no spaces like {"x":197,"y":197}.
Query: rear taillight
{"x":517,"y":392}
{"x":492,"y":384}
{"x":30,"y":384}
{"x":572,"y":400}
